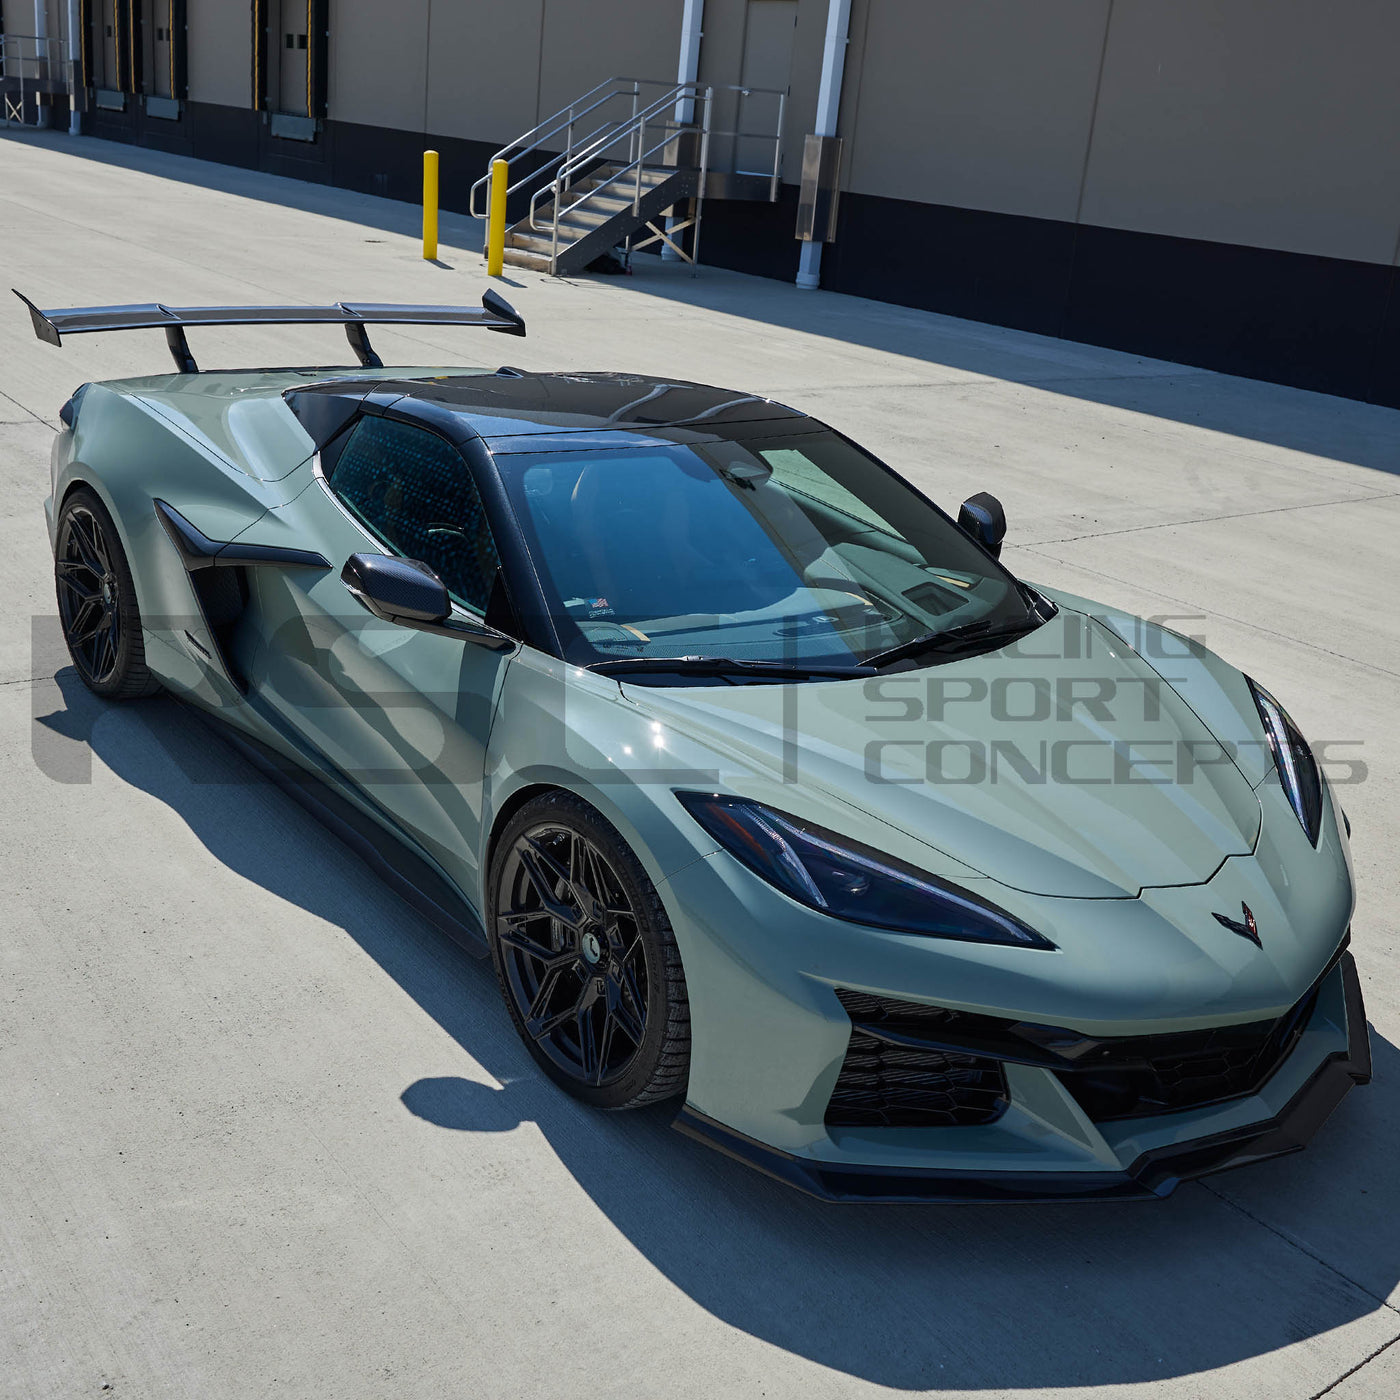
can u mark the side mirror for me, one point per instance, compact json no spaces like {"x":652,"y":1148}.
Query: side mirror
{"x":982,"y":517}
{"x":409,"y":593}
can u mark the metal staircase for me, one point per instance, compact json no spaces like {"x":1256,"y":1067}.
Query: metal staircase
{"x":582,"y":218}
{"x":632,"y":149}
{"x":33,"y":72}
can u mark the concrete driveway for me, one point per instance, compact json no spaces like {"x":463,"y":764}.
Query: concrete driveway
{"x":263,"y":1132}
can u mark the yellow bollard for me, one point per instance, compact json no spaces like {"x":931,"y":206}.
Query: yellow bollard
{"x":430,"y":205}
{"x":496,"y":220}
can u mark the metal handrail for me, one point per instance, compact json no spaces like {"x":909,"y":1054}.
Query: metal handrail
{"x":40,"y":64}
{"x":776,"y":138}
{"x":634,"y":132}
{"x":638,"y":124}
{"x":559,"y":186}
{"x":590,"y":128}
{"x":563,"y":121}
{"x":49,"y":51}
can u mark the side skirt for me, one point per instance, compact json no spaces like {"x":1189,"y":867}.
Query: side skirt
{"x":407,"y":874}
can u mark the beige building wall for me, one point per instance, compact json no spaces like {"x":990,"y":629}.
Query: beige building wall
{"x":985,"y":105}
{"x":722,"y":66}
{"x":220,"y":52}
{"x":585,"y":43}
{"x":1272,"y":123}
{"x":484,"y":68}
{"x":477,"y":69}
{"x":379,"y":62}
{"x":721,"y":57}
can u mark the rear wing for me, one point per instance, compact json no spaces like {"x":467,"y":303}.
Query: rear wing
{"x":495,"y":314}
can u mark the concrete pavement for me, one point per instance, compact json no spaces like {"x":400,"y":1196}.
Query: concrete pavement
{"x":263,"y":1132}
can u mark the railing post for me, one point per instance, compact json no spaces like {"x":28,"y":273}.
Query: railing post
{"x":778,"y":150}
{"x":706,"y":100}
{"x":554,"y":229}
{"x":496,"y":220}
{"x":430,"y":206}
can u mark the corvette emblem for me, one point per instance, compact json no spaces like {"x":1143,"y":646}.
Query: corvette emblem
{"x":1248,"y":929}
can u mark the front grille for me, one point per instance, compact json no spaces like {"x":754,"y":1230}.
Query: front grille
{"x":1140,"y":1076}
{"x":909,"y":1064}
{"x":884,"y":1085}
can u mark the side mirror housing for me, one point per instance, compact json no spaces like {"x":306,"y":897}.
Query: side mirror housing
{"x":409,"y":593}
{"x":982,"y":517}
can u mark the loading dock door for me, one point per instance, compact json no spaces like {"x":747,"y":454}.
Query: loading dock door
{"x":769,"y":27}
{"x":292,"y":74}
{"x":109,"y":76}
{"x":158,"y":23}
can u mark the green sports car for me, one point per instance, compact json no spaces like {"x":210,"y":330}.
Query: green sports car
{"x":761,"y":780}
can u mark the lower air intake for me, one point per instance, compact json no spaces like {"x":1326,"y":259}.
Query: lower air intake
{"x":882,"y":1085}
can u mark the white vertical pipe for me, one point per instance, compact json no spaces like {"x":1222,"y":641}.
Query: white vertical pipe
{"x":687,"y":70}
{"x":688,"y":67}
{"x":75,"y":48}
{"x":41,"y":52}
{"x":838,"y":24}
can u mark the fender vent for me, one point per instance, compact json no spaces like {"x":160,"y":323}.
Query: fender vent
{"x":223,"y":594}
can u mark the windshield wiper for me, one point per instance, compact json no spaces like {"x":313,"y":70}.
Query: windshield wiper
{"x":728,"y":666}
{"x":956,"y":639}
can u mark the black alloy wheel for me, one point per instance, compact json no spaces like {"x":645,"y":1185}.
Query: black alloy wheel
{"x":97,"y":602}
{"x":586,"y":957}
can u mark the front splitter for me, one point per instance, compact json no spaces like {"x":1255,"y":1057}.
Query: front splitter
{"x":1152,"y":1176}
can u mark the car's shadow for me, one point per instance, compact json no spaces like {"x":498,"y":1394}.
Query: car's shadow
{"x":954,"y":1298}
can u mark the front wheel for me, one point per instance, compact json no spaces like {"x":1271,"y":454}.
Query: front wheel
{"x":97,"y":602}
{"x":586,"y":957}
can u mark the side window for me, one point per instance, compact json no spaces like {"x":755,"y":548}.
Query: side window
{"x":414,"y":491}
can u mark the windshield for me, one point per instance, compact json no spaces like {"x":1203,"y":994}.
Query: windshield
{"x":796,"y":549}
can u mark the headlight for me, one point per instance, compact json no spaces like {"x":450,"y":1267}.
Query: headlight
{"x":1297,"y":768}
{"x":850,"y":881}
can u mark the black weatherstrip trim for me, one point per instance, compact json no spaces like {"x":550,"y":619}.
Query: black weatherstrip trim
{"x":198,"y":551}
{"x":262,"y":38}
{"x":318,"y":57}
{"x":178,"y":16}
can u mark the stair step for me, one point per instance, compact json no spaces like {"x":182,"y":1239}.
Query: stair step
{"x":594,"y":211}
{"x":608,"y":204}
{"x":651,"y":177}
{"x":598,"y":212}
{"x":522,"y":257}
{"x":538,"y":242}
{"x":590,"y":216}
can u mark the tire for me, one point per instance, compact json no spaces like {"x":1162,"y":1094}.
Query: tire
{"x":97,"y":602}
{"x":586,"y":958}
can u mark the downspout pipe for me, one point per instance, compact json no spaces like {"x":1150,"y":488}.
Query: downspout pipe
{"x":75,"y":48}
{"x":838,"y":26}
{"x":687,"y":70}
{"x":41,"y":58}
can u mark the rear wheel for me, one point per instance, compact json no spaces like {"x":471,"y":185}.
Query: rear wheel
{"x":586,"y":958}
{"x":97,"y":602}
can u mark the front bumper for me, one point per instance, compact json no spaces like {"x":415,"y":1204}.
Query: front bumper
{"x":1153,"y":1171}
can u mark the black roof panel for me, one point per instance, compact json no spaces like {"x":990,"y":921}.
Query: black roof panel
{"x":512,"y":404}
{"x":507,"y":405}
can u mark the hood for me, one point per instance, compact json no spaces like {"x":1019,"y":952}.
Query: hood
{"x":1061,"y":765}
